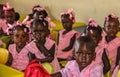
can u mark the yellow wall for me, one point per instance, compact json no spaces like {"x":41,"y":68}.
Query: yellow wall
{"x":84,"y":9}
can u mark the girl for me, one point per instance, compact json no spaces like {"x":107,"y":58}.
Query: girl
{"x":29,"y":18}
{"x":67,"y":36}
{"x":42,"y":47}
{"x":95,"y":32}
{"x":111,"y":26}
{"x":10,"y":19}
{"x":18,"y":53}
{"x":84,"y":65}
{"x":42,"y":13}
{"x":2,"y":17}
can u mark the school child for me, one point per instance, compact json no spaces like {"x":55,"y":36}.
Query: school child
{"x":96,"y":33}
{"x":18,"y":57}
{"x":111,"y":26}
{"x":67,"y":36}
{"x":84,"y":64}
{"x":42,"y":48}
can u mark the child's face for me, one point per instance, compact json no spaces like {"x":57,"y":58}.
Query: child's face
{"x":10,"y":17}
{"x":111,"y":29}
{"x":39,"y":32}
{"x":66,"y":22}
{"x":85,"y":55}
{"x":95,"y":36}
{"x":20,"y":38}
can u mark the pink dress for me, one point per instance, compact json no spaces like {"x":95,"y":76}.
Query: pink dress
{"x":112,"y":50}
{"x":115,"y":71}
{"x":3,"y":25}
{"x":72,"y":70}
{"x":64,"y":41}
{"x":33,"y":49}
{"x":99,"y":51}
{"x":20,"y":60}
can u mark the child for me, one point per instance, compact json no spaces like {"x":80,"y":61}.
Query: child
{"x":42,"y":47}
{"x":111,"y":27}
{"x":95,"y":32}
{"x":18,"y":52}
{"x":2,"y":17}
{"x":42,"y":13}
{"x":67,"y":36}
{"x":117,"y":67}
{"x":29,"y":18}
{"x":84,"y":65}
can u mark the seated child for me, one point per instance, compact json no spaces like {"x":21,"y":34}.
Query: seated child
{"x":18,"y":57}
{"x":111,"y":27}
{"x":84,"y":64}
{"x":96,"y":33}
{"x":42,"y":47}
{"x":67,"y":36}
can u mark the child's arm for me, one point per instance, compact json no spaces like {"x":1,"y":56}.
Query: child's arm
{"x":106,"y":62}
{"x":31,"y":56}
{"x":57,"y":74}
{"x":118,"y":56}
{"x":58,"y":39}
{"x":10,"y":59}
{"x":48,"y":53}
{"x":72,"y":41}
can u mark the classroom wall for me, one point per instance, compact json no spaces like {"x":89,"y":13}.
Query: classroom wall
{"x":84,"y":9}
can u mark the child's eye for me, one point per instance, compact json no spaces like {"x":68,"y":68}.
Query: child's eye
{"x":16,"y":35}
{"x":23,"y":36}
{"x":79,"y":53}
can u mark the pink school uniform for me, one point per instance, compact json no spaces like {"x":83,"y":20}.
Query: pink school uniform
{"x":3,"y":25}
{"x":33,"y":49}
{"x":112,"y":50}
{"x":20,"y":60}
{"x":64,"y":41}
{"x":72,"y":70}
{"x":115,"y":71}
{"x":99,"y":51}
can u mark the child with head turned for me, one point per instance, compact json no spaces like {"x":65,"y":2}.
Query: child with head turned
{"x":111,"y":27}
{"x":84,"y":64}
{"x":67,"y":36}
{"x":18,"y":57}
{"x":94,"y":31}
{"x":42,"y":48}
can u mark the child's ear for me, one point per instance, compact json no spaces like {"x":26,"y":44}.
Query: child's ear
{"x":94,"y":56}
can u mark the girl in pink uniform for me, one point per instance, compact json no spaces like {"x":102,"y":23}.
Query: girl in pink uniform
{"x":2,"y":16}
{"x":111,"y":27}
{"x":18,"y":53}
{"x":42,"y":48}
{"x":67,"y":36}
{"x":84,"y":65}
{"x":95,"y":31}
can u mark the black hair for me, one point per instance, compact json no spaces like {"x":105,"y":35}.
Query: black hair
{"x":2,"y":11}
{"x":21,"y":27}
{"x":111,"y":19}
{"x":86,"y":39}
{"x":41,"y":21}
{"x":17,"y":16}
{"x":97,"y":29}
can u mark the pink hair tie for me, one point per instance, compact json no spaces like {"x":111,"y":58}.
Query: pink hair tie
{"x":7,"y":7}
{"x":114,"y":16}
{"x":39,"y":8}
{"x":106,"y":18}
{"x":92,"y":23}
{"x":71,"y":14}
